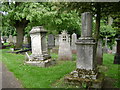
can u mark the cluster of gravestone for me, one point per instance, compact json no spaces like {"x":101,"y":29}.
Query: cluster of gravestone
{"x":87,"y":58}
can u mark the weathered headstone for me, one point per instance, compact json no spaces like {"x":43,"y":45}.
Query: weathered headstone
{"x":86,"y":72}
{"x":114,"y":48}
{"x":64,"y":47}
{"x":14,"y":39}
{"x":51,"y":41}
{"x":73,"y":45}
{"x":10,"y":39}
{"x":117,"y":55}
{"x":106,"y":49}
{"x":57,"y":40}
{"x":99,"y":53}
{"x":39,"y":56}
{"x":25,"y":41}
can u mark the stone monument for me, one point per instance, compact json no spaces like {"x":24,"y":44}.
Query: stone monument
{"x":10,"y":39}
{"x":64,"y":52}
{"x":14,"y":39}
{"x":117,"y":55}
{"x":73,"y":45}
{"x":114,"y":48}
{"x":51,"y":41}
{"x":99,"y":53}
{"x":105,"y":49}
{"x":39,"y":56}
{"x":86,"y":71}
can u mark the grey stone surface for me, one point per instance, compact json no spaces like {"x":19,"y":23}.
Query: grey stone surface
{"x":57,"y":40}
{"x":106,"y":49}
{"x":73,"y":45}
{"x":8,"y":78}
{"x":10,"y":39}
{"x":14,"y":39}
{"x":85,"y":45}
{"x":25,"y":40}
{"x":114,"y":48}
{"x":64,"y":52}
{"x":86,"y":25}
{"x":39,"y":56}
{"x":51,"y":41}
{"x":99,"y":53}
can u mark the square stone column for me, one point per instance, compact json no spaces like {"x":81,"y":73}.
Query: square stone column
{"x":86,"y":72}
{"x":85,"y":45}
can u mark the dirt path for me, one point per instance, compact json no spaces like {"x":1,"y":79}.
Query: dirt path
{"x":8,"y":79}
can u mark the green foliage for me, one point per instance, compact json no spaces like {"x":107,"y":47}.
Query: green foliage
{"x":41,"y":13}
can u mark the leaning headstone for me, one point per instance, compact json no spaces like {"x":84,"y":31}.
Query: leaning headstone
{"x":51,"y":41}
{"x":39,"y":56}
{"x":117,"y":55}
{"x":99,"y":53}
{"x":73,"y":45}
{"x":64,"y":47}
{"x":86,"y":72}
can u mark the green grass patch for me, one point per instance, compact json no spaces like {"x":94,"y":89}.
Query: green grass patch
{"x":50,"y":77}
{"x":35,"y":77}
{"x":113,"y":70}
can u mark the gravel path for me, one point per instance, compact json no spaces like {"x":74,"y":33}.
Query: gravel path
{"x":7,"y":79}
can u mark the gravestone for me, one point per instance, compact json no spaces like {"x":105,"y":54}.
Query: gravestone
{"x":114,"y":48}
{"x":10,"y":39}
{"x":106,"y":49}
{"x":73,"y":45}
{"x":39,"y":56}
{"x":14,"y":39}
{"x":117,"y":55}
{"x":0,"y":42}
{"x":86,"y":72}
{"x":25,"y":41}
{"x":5,"y":39}
{"x":57,"y":40}
{"x":64,"y":52}
{"x":51,"y":41}
{"x":99,"y":55}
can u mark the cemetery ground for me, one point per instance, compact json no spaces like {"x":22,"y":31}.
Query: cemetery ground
{"x":52,"y":77}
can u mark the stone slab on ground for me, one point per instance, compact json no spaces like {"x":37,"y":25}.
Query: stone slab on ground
{"x":45,"y":63}
{"x":8,"y":79}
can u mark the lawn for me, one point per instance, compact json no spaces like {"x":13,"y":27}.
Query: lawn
{"x":36,"y":77}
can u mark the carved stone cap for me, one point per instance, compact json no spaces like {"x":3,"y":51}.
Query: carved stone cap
{"x":38,"y":29}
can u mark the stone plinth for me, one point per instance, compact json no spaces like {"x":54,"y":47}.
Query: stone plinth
{"x":64,"y":52}
{"x":117,"y":56}
{"x":39,"y":54}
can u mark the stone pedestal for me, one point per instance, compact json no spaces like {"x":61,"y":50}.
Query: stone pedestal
{"x":39,"y":56}
{"x":86,"y":72}
{"x":117,"y":56}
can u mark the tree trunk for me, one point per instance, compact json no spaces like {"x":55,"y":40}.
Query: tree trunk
{"x":20,"y":26}
{"x":0,"y":41}
{"x":20,"y":36}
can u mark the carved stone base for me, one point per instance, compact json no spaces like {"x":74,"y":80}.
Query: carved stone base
{"x":83,"y":77}
{"x":41,"y":63}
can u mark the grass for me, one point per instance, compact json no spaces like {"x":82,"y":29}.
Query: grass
{"x":113,"y":70}
{"x":36,"y":77}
